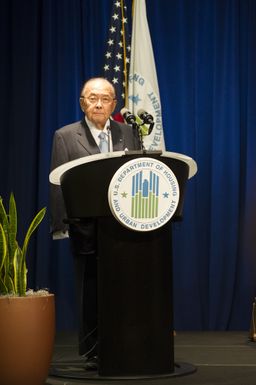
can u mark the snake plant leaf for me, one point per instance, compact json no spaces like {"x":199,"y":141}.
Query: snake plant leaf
{"x":8,"y":281}
{"x":3,"y":248}
{"x":4,"y":218}
{"x":23,"y":279}
{"x":34,"y":224}
{"x":21,"y":271}
{"x":12,"y":219}
{"x":5,"y":225}
{"x":13,"y":269}
{"x":3,"y":288}
{"x":16,"y":260}
{"x":3,"y":254}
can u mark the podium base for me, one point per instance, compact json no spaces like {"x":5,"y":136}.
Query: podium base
{"x":75,"y":370}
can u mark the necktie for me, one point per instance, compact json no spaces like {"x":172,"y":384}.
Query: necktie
{"x":103,"y":145}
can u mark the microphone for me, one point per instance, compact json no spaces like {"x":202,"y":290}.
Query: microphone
{"x":128,"y":116}
{"x":145,"y":116}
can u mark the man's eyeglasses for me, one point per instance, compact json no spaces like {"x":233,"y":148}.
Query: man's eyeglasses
{"x":95,"y":99}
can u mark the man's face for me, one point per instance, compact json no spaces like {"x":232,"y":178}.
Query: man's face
{"x":98,"y":101}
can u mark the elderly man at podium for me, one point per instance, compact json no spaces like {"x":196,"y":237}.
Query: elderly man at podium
{"x":95,"y":133}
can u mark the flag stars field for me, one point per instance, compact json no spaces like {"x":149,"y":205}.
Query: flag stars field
{"x":117,"y":53}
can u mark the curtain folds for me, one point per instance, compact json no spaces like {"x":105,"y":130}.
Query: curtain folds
{"x":205,"y":53}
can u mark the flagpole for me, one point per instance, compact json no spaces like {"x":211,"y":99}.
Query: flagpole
{"x":124,"y":54}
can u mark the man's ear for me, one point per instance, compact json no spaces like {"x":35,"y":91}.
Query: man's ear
{"x":115,"y":103}
{"x":81,"y":102}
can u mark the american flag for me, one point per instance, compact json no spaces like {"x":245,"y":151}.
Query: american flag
{"x":117,"y":55}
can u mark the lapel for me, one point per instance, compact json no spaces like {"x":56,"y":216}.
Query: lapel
{"x":85,"y":138}
{"x":117,"y":136}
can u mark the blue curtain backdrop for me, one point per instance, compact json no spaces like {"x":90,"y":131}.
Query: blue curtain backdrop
{"x":205,"y":53}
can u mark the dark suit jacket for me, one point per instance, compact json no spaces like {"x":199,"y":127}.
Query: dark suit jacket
{"x":76,"y":141}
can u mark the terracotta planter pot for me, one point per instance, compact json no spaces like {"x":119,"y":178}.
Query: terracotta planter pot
{"x":27,"y":331}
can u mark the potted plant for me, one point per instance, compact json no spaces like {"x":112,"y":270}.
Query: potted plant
{"x":27,"y":318}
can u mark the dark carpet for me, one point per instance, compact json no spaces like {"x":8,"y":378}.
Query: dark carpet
{"x":223,"y":358}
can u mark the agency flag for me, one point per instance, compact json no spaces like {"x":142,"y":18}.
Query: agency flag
{"x":143,"y":91}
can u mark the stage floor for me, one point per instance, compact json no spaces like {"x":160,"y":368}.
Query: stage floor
{"x":223,"y":358}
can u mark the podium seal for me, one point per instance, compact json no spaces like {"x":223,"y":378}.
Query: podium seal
{"x":143,"y":194}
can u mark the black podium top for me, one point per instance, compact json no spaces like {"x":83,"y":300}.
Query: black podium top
{"x":85,"y":181}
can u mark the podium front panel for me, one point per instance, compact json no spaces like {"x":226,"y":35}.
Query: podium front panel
{"x":135,"y":327}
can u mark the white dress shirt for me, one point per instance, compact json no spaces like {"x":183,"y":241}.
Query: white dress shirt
{"x":95,"y":132}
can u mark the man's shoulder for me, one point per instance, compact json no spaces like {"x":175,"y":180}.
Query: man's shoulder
{"x":119,"y":125}
{"x":69,"y":127}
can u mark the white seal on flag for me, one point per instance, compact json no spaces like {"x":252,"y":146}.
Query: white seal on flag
{"x":143,"y":194}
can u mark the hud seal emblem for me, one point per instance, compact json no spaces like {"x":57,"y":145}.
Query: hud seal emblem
{"x":143,"y":194}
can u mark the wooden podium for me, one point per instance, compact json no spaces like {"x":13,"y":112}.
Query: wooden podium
{"x":135,"y":312}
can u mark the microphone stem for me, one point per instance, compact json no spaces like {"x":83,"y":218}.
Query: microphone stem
{"x":141,"y":142}
{"x":151,"y":126}
{"x":136,"y":127}
{"x":108,"y":131}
